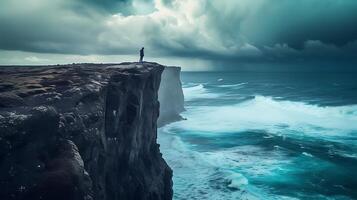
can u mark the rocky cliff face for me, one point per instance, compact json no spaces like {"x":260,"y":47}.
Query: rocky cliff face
{"x":170,"y":96}
{"x":81,"y":132}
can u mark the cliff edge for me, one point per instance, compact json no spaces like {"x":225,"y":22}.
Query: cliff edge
{"x":81,"y":132}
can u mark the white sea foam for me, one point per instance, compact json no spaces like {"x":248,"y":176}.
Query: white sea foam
{"x":198,"y":92}
{"x":197,"y":171}
{"x":237,"y":181}
{"x":232,"y":85}
{"x":307,"y":154}
{"x":268,"y":114}
{"x":252,"y":160}
{"x":237,"y":167}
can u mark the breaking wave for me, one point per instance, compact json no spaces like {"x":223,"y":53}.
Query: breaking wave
{"x":267,"y":113}
{"x":249,"y":148}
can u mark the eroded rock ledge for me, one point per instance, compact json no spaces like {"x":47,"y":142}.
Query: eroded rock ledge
{"x":81,"y":132}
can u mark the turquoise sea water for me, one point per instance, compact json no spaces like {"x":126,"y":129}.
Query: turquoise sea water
{"x":265,"y":136}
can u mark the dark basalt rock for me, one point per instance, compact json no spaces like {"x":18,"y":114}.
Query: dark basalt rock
{"x":10,"y":100}
{"x":90,"y":134}
{"x":64,"y":177}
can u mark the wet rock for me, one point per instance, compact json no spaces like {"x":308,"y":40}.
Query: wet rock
{"x":4,"y":86}
{"x":10,"y":100}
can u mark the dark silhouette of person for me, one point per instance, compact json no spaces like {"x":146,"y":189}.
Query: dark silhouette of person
{"x":141,"y":54}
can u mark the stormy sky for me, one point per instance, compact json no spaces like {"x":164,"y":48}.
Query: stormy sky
{"x":197,"y":34}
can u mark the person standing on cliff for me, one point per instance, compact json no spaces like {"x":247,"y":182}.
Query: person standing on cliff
{"x":141,"y":54}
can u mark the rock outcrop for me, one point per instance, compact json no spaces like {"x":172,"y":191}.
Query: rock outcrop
{"x":81,"y":132}
{"x":170,"y":96}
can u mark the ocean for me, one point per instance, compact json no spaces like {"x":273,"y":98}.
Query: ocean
{"x":252,"y":135}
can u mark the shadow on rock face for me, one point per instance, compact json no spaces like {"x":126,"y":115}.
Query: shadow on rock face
{"x":8,"y":100}
{"x":64,"y":178}
{"x":35,"y":164}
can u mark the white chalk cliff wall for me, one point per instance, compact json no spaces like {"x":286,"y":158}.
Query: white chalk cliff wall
{"x":171,"y":96}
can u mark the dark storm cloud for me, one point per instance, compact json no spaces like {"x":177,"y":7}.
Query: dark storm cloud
{"x":295,"y":22}
{"x":61,"y":26}
{"x":124,"y":7}
{"x":228,"y":31}
{"x":109,"y":5}
{"x":47,"y":26}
